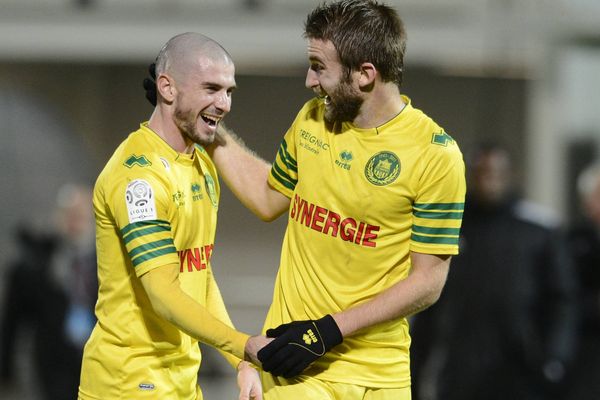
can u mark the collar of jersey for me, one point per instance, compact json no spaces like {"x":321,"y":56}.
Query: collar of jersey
{"x":394,"y":122}
{"x":165,"y":149}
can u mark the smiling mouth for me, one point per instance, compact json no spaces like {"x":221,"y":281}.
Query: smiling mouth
{"x":210,"y":120}
{"x":326,"y":99}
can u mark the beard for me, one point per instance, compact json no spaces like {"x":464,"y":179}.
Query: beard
{"x":186,"y":122}
{"x":344,"y":104}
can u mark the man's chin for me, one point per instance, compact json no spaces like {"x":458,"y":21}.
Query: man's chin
{"x":205,"y":138}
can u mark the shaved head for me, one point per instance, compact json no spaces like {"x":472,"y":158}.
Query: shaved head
{"x":195,"y":77}
{"x":183,"y":53}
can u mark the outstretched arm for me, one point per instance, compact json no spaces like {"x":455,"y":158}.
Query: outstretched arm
{"x":245,"y":173}
{"x":419,"y":290}
{"x":290,"y":353}
{"x":173,"y":304}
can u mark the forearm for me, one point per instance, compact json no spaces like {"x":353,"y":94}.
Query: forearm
{"x":170,"y":302}
{"x":245,"y":173}
{"x":215,"y":303}
{"x":418,"y":291}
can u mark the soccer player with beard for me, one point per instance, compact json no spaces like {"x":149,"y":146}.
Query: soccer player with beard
{"x":156,"y":207}
{"x":374,"y":190}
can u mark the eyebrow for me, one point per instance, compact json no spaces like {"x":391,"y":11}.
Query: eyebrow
{"x":218,"y":85}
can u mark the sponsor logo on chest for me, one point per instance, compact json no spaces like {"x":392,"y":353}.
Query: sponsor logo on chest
{"x":312,"y":143}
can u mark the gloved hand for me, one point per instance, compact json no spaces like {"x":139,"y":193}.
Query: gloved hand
{"x":150,"y":84}
{"x":298,"y":344}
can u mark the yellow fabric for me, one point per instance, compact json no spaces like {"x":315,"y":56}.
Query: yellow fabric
{"x":153,"y":207}
{"x":306,"y":387}
{"x":361,"y":200}
{"x":191,"y":317}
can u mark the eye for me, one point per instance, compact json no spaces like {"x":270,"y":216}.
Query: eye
{"x":316,"y":67}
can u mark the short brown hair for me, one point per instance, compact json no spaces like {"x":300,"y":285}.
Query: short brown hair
{"x":362,"y":31}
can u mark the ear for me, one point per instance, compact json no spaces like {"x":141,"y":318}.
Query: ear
{"x":165,"y":86}
{"x":367,"y":74}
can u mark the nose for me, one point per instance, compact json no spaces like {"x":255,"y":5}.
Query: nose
{"x":223,"y":102}
{"x":311,"y":79}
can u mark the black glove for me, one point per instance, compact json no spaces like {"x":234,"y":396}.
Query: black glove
{"x":150,"y":84}
{"x":298,"y":344}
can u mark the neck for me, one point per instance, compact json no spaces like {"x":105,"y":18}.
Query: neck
{"x":161,"y":122}
{"x":381,"y":105}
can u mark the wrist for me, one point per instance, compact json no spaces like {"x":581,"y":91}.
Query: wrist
{"x":243,"y":364}
{"x":332,"y":335}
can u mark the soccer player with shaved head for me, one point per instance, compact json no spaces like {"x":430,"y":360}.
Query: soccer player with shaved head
{"x":156,"y":205}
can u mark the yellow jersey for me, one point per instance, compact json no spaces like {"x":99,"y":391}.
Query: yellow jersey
{"x":153,"y":206}
{"x":361,"y":200}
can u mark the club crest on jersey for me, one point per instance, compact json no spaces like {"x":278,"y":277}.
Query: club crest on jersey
{"x":211,"y":189}
{"x":383,"y":168}
{"x":141,"y":161}
{"x":139,"y":198}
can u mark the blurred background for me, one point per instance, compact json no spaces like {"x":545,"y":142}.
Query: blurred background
{"x":523,"y":73}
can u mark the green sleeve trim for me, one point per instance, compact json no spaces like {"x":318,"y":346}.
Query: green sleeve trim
{"x":135,"y":225}
{"x":146,"y":231}
{"x":149,"y":246}
{"x":436,"y":231}
{"x":283,"y":178}
{"x":287,"y":157}
{"x":439,"y":206}
{"x":438,"y":215}
{"x":153,"y":254}
{"x":434,"y":239}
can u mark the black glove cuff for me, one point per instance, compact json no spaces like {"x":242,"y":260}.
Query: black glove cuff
{"x":330,"y":332}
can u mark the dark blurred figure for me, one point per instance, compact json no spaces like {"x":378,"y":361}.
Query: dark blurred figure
{"x":51,"y":290}
{"x":584,"y":244}
{"x":504,"y":327}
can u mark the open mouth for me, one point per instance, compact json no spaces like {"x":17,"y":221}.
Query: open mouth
{"x":210,"y":120}
{"x":326,"y":99}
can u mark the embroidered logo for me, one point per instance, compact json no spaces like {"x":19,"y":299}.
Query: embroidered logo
{"x":441,"y":138}
{"x":309,"y":337}
{"x":345,"y":158}
{"x":142,"y":161}
{"x":383,"y":168}
{"x":178,"y":198}
{"x":196,"y":192}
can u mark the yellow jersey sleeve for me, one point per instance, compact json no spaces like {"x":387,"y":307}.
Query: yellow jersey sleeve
{"x":140,"y":205}
{"x":439,"y":204}
{"x":284,"y":172}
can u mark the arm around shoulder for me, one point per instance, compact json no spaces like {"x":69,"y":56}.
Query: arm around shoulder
{"x":246,"y":175}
